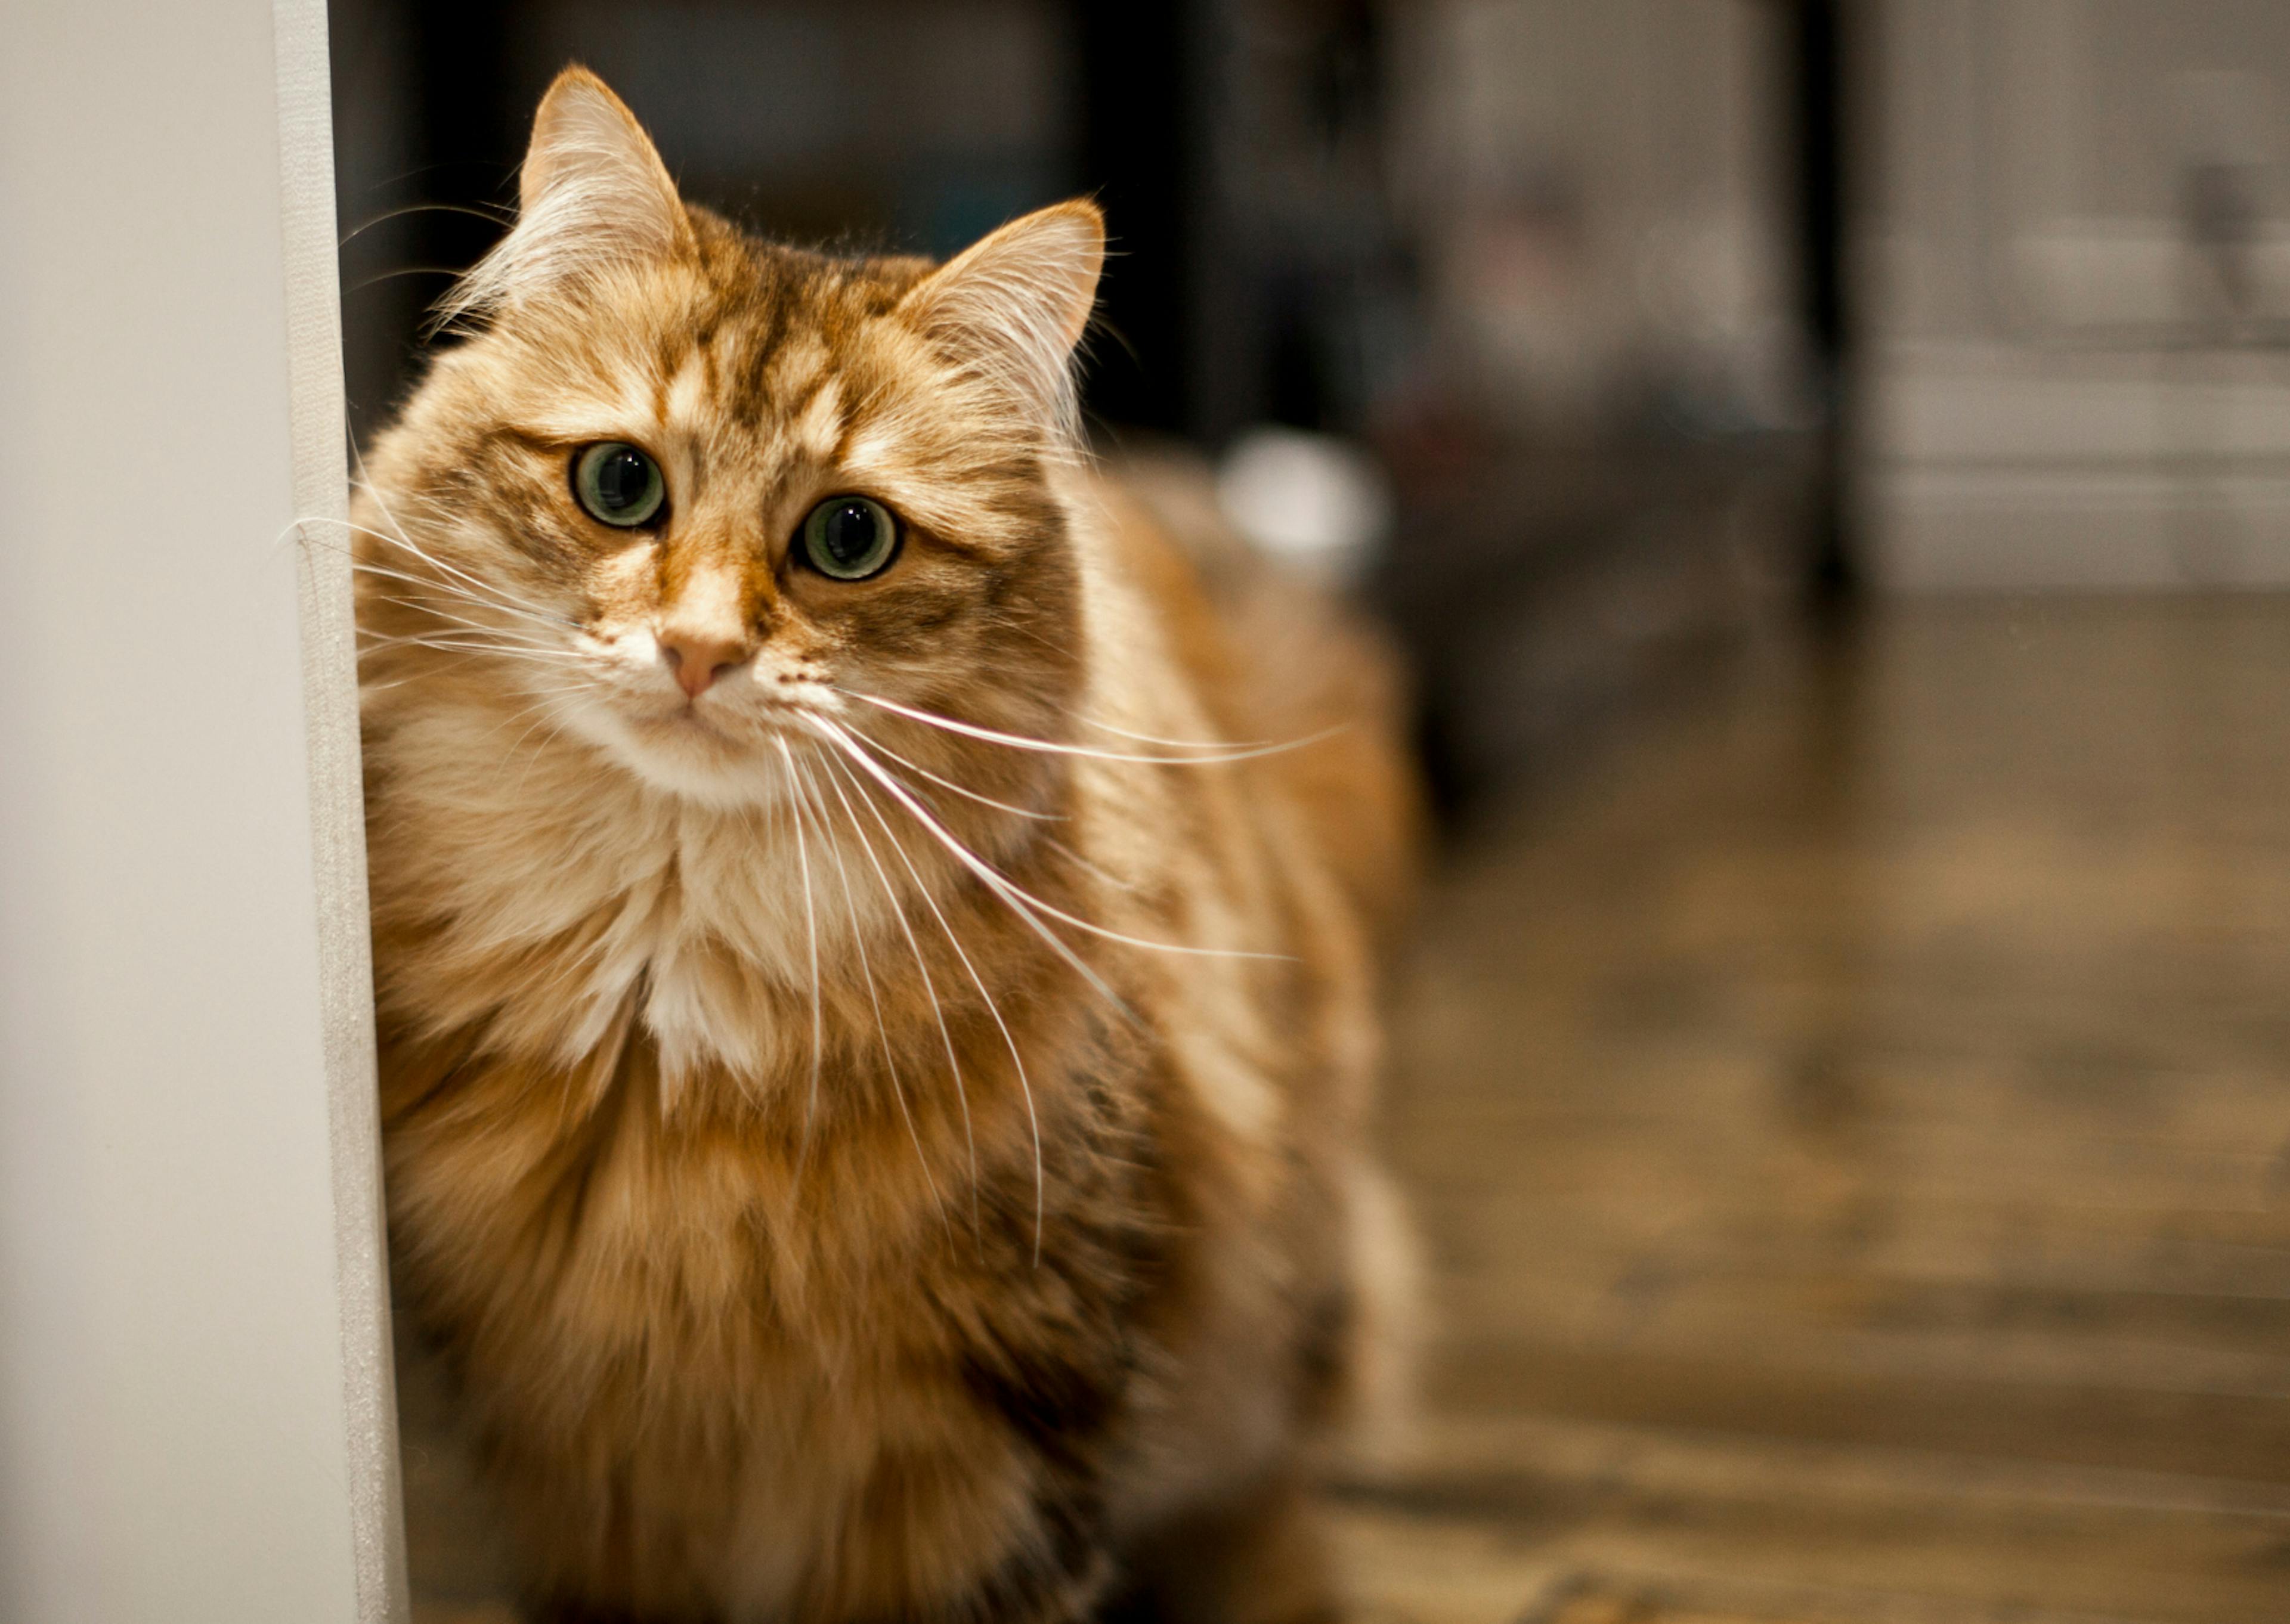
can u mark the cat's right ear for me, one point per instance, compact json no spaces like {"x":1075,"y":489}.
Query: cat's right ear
{"x":593,"y":196}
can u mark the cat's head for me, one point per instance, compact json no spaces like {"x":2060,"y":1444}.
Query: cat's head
{"x":681,"y":493}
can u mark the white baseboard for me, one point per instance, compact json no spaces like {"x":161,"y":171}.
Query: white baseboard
{"x":2003,"y":469}
{"x":2003,"y":530}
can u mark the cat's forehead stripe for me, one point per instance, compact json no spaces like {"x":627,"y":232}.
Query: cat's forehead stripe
{"x":794,"y":371}
{"x":766,"y":350}
{"x":641,"y":397}
{"x":874,"y":452}
{"x":684,"y":398}
{"x":819,"y":427}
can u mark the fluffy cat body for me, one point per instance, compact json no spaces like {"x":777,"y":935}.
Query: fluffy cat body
{"x":876,"y":1134}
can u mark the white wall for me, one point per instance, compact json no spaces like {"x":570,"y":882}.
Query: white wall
{"x":181,"y":1293}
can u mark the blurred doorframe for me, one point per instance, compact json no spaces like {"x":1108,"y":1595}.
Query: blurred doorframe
{"x":1820,"y":70}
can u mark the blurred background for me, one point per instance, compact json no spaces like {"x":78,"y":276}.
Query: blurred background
{"x":1828,"y":464}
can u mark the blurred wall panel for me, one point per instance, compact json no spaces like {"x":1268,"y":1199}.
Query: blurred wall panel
{"x":2076,"y":276}
{"x":1604,"y":191}
{"x":1610,"y":462}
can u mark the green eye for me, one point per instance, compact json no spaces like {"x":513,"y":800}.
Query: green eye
{"x":619,"y":484}
{"x":850,"y":537}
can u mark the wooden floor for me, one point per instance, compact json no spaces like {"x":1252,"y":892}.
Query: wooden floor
{"x":1849,"y":1120}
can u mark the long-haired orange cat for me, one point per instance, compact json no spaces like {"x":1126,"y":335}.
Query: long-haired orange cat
{"x":872,"y":938}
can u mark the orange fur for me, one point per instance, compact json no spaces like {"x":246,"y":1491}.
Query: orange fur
{"x":856,"y":1169}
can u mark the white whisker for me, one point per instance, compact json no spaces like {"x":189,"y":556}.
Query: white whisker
{"x":992,"y":879}
{"x":451,"y":594}
{"x":1018,"y":896}
{"x":532,"y":656}
{"x":494,"y":216}
{"x":555,"y":729}
{"x":1025,"y":1084}
{"x":1020,"y":742}
{"x":1198,"y":744}
{"x":506,"y":639}
{"x":811,"y":924}
{"x":930,"y":988}
{"x":1103,"y":875}
{"x":398,"y":537}
{"x":867,"y":970}
{"x":877,"y":746}
{"x":445,"y":589}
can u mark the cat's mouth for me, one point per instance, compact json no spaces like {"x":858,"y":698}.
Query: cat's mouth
{"x":686,"y":720}
{"x":692,"y":724}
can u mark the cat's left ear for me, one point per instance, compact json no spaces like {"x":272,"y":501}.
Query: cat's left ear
{"x":1014,"y":305}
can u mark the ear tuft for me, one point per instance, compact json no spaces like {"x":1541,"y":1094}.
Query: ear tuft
{"x":1012,"y":306}
{"x":593,"y":196}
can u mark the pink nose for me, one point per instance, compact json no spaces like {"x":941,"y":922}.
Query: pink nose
{"x":697,"y":659}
